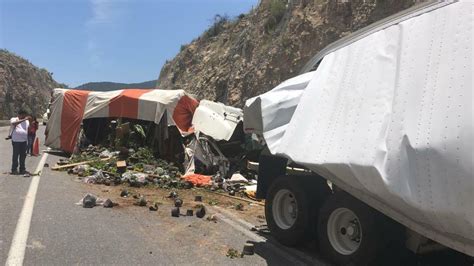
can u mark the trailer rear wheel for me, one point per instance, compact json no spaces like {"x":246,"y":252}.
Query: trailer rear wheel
{"x":348,"y":230}
{"x":287,"y":211}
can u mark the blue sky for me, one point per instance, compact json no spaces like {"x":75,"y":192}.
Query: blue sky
{"x":106,"y":40}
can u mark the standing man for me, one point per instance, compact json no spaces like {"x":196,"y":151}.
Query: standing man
{"x":19,"y":137}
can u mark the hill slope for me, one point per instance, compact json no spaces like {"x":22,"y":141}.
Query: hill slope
{"x":243,"y":57}
{"x":110,"y":86}
{"x":23,"y":85}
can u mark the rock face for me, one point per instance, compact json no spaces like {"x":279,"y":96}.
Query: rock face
{"x":23,"y":85}
{"x":239,"y":58}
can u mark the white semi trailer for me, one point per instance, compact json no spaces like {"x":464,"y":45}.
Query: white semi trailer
{"x":383,"y":121}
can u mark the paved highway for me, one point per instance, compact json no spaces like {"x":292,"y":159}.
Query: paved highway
{"x":61,"y":233}
{"x":47,"y":228}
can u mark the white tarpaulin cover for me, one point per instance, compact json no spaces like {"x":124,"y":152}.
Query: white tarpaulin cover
{"x":269,"y":114}
{"x":389,"y":118}
{"x":70,"y":107}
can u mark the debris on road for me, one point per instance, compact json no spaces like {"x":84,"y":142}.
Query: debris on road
{"x":154,"y":207}
{"x":212,"y":218}
{"x":141,"y":201}
{"x":124,"y":193}
{"x":233,"y":253}
{"x":88,"y":201}
{"x":213,"y":202}
{"x":108,"y":203}
{"x":239,"y":207}
{"x":175,"y":212}
{"x":201,"y":211}
{"x":198,"y":198}
{"x":173,"y":194}
{"x":249,"y":249}
{"x":178,"y":202}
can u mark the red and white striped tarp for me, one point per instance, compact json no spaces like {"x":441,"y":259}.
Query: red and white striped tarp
{"x":70,"y":107}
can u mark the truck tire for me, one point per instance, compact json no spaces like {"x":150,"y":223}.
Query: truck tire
{"x":348,"y":230}
{"x":287,"y":211}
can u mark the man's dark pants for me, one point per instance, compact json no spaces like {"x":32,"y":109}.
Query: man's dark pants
{"x":19,"y":156}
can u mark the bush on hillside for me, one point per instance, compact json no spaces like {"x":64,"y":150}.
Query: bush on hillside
{"x":217,"y":26}
{"x":277,"y":11}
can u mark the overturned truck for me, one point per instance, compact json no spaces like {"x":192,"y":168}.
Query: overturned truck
{"x":72,"y":109}
{"x":381,"y":127}
{"x":211,"y":133}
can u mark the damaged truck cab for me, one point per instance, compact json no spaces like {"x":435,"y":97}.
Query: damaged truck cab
{"x":372,"y":143}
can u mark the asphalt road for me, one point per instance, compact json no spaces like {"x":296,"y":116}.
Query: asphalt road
{"x":62,"y":233}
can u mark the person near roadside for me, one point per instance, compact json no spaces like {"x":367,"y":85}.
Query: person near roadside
{"x":32,"y":135}
{"x":19,"y":137}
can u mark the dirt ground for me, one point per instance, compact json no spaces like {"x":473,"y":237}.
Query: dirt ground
{"x":252,"y":212}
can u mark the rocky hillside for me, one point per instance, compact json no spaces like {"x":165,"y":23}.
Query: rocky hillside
{"x":23,"y":85}
{"x":238,"y":58}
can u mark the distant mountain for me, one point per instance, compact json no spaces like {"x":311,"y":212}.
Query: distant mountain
{"x":23,"y":85}
{"x":110,"y":86}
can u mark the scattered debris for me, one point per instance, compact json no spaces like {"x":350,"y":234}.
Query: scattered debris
{"x":153,"y":207}
{"x":124,"y":193}
{"x":212,"y":218}
{"x":81,"y":170}
{"x":173,"y":194}
{"x":105,"y":154}
{"x":236,"y":178}
{"x":213,"y":202}
{"x":201,"y":211}
{"x":189,"y":212}
{"x":108,"y":203}
{"x":46,"y":165}
{"x":175,"y":212}
{"x":141,"y":201}
{"x":121,"y":165}
{"x":198,"y":198}
{"x":178,"y":202}
{"x":239,"y":207}
{"x":135,"y":179}
{"x":89,"y":201}
{"x":233,"y":253}
{"x":249,"y":249}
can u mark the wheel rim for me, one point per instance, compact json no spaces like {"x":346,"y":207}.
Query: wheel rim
{"x":285,"y":209}
{"x":344,"y":231}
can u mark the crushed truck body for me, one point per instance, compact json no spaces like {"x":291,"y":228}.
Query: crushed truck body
{"x":386,"y":117}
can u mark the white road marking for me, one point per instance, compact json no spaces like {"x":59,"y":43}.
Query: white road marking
{"x":17,"y":249}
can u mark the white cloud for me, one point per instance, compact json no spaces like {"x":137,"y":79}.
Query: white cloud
{"x":105,"y":14}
